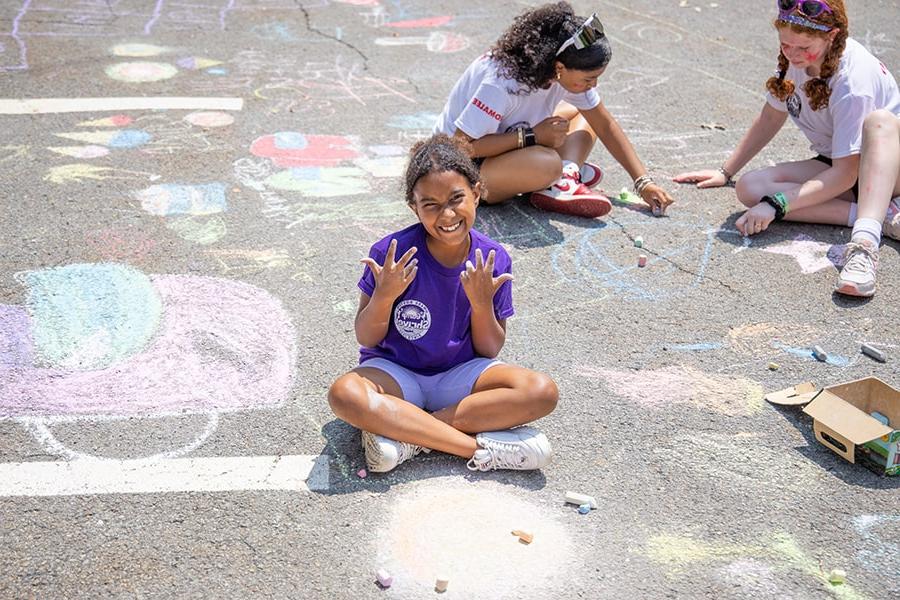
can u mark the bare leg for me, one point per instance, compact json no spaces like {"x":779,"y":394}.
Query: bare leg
{"x":879,"y":167}
{"x":504,"y":396}
{"x":581,"y":138}
{"x":519,"y":172}
{"x":782,"y":177}
{"x":370,"y":399}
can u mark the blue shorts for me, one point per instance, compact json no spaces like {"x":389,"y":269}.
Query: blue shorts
{"x":434,"y":392}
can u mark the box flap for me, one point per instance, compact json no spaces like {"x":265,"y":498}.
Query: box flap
{"x":844,"y":418}
{"x":794,"y":395}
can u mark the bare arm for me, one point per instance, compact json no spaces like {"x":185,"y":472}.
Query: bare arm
{"x":614,"y":139}
{"x":372,"y":319}
{"x":767,"y":124}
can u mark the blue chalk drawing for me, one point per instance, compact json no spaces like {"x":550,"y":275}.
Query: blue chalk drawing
{"x":88,"y":316}
{"x":173,"y":199}
{"x":129,"y":138}
{"x":217,"y":71}
{"x":419,"y":120}
{"x":701,"y":347}
{"x":290,"y":140}
{"x":833,"y":359}
{"x":589,"y":259}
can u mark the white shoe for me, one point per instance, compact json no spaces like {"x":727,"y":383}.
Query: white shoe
{"x":590,"y":174}
{"x":857,"y":278}
{"x":522,"y":449}
{"x":891,"y":225}
{"x":383,"y":454}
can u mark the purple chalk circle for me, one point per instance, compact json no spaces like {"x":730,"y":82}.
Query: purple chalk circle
{"x":219,"y":346}
{"x":16,"y":345}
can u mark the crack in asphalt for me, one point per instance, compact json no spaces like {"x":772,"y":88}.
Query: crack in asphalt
{"x":311,"y":29}
{"x":672,"y":262}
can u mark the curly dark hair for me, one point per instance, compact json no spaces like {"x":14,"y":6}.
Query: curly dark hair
{"x":526,"y":52}
{"x":817,"y":89}
{"x":437,"y":154}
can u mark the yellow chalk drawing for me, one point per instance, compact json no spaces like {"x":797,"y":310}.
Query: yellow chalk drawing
{"x":200,"y":230}
{"x":80,"y":151}
{"x":756,"y":339}
{"x":8,"y":153}
{"x":679,"y":554}
{"x":683,"y":385}
{"x":79,"y":172}
{"x":239,"y":261}
{"x":138,"y":50}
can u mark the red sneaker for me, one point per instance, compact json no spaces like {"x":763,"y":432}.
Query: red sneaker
{"x":591,"y":174}
{"x":569,"y":197}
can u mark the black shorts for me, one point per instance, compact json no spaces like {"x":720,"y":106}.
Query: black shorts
{"x":855,"y":189}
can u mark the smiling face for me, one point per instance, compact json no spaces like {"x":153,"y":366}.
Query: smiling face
{"x":445,"y":203}
{"x":803,"y":50}
{"x":577,"y":81}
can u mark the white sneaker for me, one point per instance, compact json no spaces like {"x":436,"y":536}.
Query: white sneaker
{"x":522,"y":449}
{"x":590,"y":174}
{"x":857,"y":278}
{"x":891,"y":225}
{"x":383,"y":454}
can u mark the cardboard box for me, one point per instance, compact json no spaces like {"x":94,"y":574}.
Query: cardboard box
{"x":843,"y":422}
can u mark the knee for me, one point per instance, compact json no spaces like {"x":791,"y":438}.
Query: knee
{"x":750,"y":188}
{"x":881,"y":122}
{"x":547,"y":166}
{"x":543,"y":394}
{"x":344,"y":395}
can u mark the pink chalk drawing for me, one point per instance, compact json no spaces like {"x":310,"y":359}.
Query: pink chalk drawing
{"x":416,"y":23}
{"x":214,"y":346}
{"x":661,"y":388}
{"x":294,"y":149}
{"x":812,"y":256}
{"x":437,"y":41}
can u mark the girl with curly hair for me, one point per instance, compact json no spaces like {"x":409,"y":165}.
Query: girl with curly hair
{"x":828,"y":83}
{"x":531,"y":115}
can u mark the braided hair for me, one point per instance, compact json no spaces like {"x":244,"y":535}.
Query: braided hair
{"x":817,"y":88}
{"x":526,"y":52}
{"x":437,"y":154}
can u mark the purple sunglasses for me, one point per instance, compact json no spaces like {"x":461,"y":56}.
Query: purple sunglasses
{"x":808,"y":8}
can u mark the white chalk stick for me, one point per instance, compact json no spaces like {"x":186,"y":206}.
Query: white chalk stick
{"x":579,"y":499}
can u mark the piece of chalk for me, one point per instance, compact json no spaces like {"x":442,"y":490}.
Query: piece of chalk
{"x":526,"y":537}
{"x":579,"y":499}
{"x":638,"y":242}
{"x":837,"y":576}
{"x":773,"y":366}
{"x":384,"y":578}
{"x":873,"y":352}
{"x":819,"y":354}
{"x":362,"y":473}
{"x":584,"y":509}
{"x":440,"y":585}
{"x":642,"y":260}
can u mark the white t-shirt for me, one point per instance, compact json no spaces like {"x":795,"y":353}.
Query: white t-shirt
{"x":861,"y":85}
{"x":483,"y":102}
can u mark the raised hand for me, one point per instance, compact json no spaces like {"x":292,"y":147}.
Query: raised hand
{"x":394,"y":276}
{"x":478,"y":280}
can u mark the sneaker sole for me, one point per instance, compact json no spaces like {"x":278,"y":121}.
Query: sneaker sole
{"x":851,"y":289}
{"x":586,"y":206}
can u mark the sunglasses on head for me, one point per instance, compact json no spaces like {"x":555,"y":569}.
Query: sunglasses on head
{"x":807,"y":8}
{"x":589,"y":32}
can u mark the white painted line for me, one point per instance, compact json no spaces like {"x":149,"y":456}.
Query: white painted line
{"x":33,"y":106}
{"x":86,"y":476}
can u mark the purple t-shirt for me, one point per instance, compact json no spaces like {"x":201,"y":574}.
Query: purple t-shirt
{"x":430,"y":327}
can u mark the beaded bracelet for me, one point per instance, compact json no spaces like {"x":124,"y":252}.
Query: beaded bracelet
{"x":641,"y":183}
{"x":729,"y":178}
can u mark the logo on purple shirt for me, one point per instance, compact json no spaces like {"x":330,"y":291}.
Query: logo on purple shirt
{"x":412,"y":319}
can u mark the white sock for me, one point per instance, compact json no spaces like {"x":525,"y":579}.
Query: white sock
{"x":852,"y":218}
{"x":867,"y":229}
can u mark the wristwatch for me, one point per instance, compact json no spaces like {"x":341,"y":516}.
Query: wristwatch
{"x":530,"y":138}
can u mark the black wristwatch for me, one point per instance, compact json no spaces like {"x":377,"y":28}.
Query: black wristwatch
{"x":779,"y":210}
{"x":530,"y":138}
